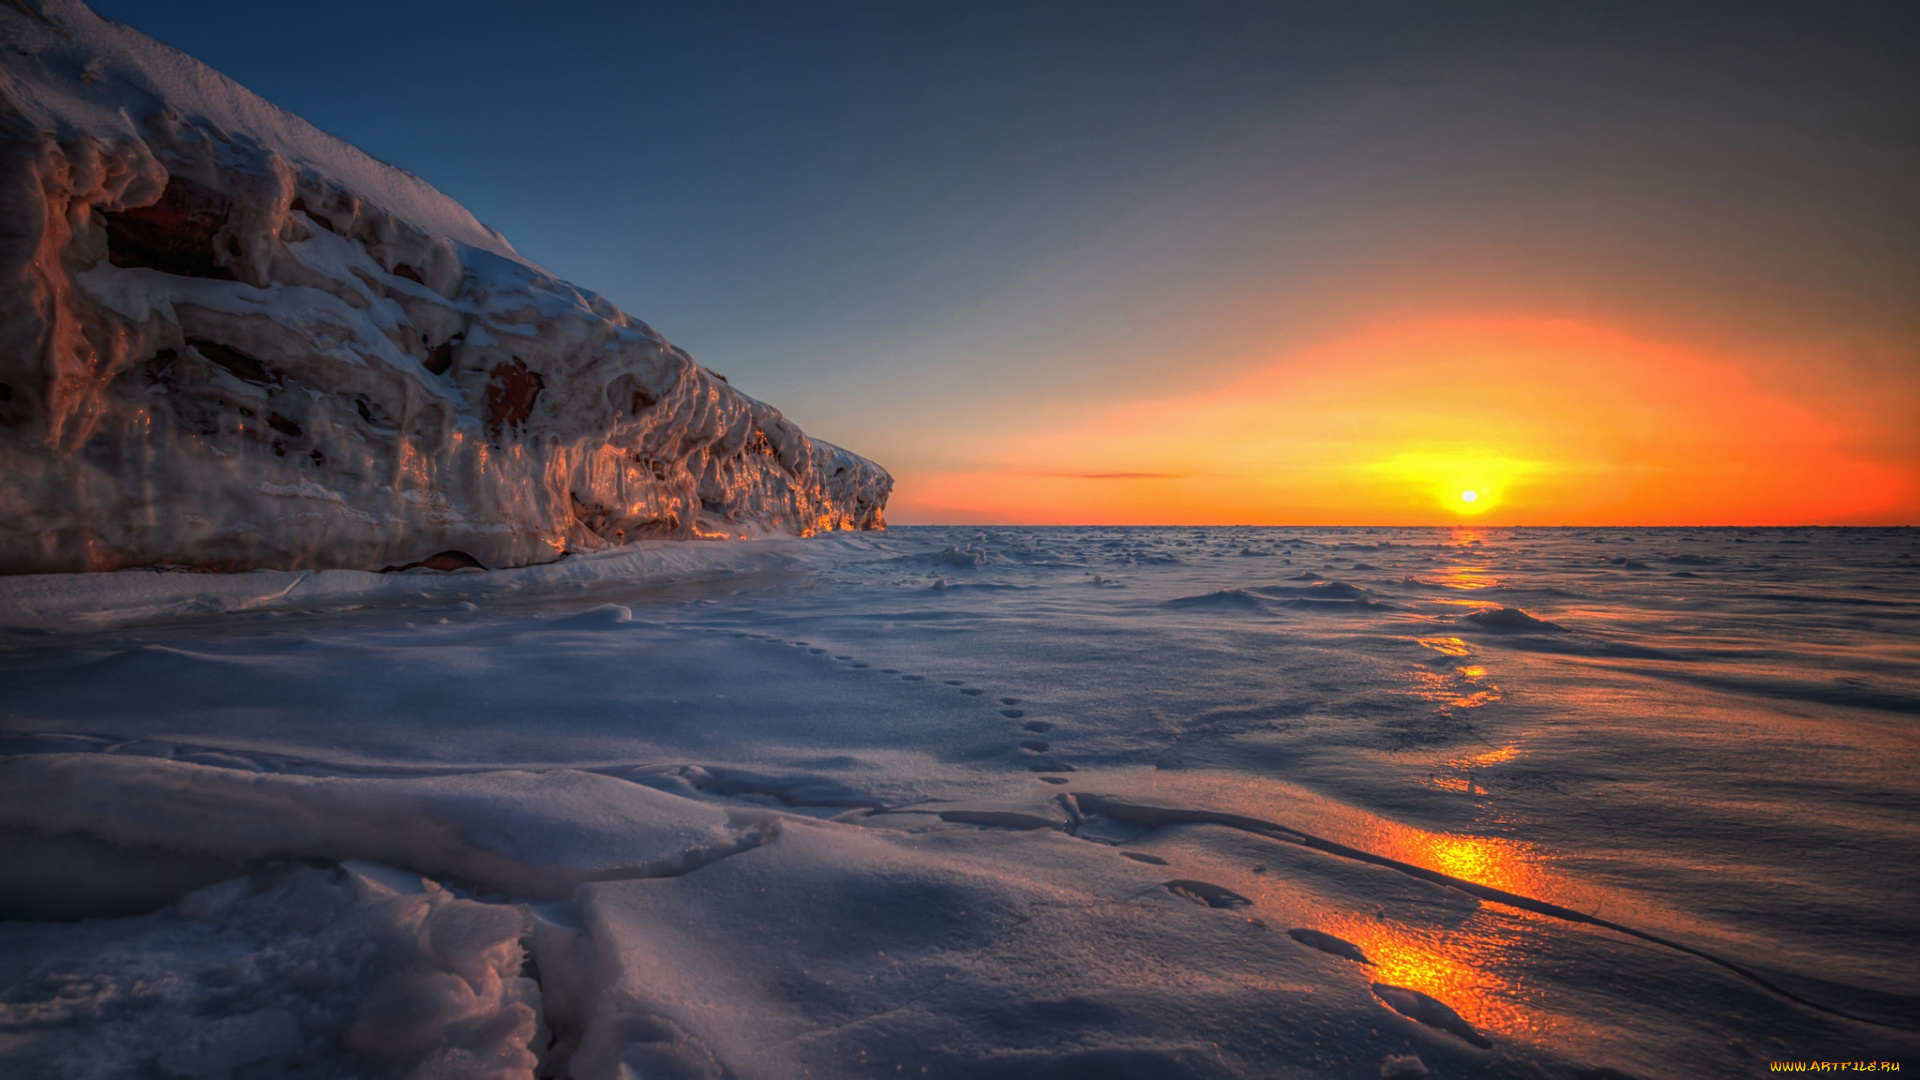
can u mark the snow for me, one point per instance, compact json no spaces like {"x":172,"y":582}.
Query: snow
{"x":920,"y":803}
{"x":91,"y":77}
{"x":338,"y":971}
{"x":210,"y":310}
{"x":779,"y":808}
{"x":527,"y":834}
{"x":54,"y":601}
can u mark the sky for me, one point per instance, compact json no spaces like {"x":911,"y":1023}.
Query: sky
{"x":1209,"y":263}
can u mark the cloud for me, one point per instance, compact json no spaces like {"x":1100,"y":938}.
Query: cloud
{"x":1111,"y":475}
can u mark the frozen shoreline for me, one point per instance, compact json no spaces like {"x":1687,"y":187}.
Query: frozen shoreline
{"x":865,"y":801}
{"x":54,"y":603}
{"x":231,"y":341}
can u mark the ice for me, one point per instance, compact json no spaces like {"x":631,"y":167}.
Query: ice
{"x":535,"y":834}
{"x":1426,"y":1010}
{"x":292,"y":966}
{"x":778,"y":807}
{"x":983,"y":953}
{"x":1329,"y":944}
{"x":38,"y":602}
{"x":1226,"y":600}
{"x":1403,"y":1067}
{"x":1458,"y":803}
{"x":302,"y":358}
{"x":1509,"y":619}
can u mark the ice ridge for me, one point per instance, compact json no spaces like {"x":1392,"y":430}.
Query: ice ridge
{"x":231,"y":341}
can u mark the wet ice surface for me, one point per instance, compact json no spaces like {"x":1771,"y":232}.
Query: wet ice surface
{"x":1022,"y":802}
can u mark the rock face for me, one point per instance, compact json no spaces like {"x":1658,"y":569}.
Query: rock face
{"x":230,"y":341}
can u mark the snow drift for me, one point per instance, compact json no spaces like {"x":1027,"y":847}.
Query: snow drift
{"x":781,"y":809}
{"x":231,"y":341}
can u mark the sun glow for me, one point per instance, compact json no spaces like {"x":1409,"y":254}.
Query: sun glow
{"x":1569,"y":424}
{"x":1468,"y":482}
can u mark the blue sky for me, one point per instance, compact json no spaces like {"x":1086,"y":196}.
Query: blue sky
{"x":926,"y":230}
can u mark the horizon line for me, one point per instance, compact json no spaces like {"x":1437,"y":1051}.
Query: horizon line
{"x":1167,"y":525}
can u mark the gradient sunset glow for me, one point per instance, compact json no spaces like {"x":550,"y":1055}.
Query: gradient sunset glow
{"x":1539,"y":422}
{"x":1081,"y":263}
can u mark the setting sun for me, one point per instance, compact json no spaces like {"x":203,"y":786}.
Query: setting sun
{"x":1245,"y":540}
{"x":1587,"y":426}
{"x":1467,"y":480}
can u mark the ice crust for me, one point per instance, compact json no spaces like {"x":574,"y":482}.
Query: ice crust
{"x":231,"y":341}
{"x":528,"y":834}
{"x":782,"y":808}
{"x":336,"y":970}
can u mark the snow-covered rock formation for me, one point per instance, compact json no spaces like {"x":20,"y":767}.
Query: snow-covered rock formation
{"x":229,"y":340}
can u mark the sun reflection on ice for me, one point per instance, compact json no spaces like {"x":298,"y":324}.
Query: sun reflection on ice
{"x":1460,"y":968}
{"x":1453,"y":687}
{"x":1461,"y":965}
{"x":1478,"y":859}
{"x":1449,"y":646}
{"x":1462,"y":688}
{"x":1464,"y":782}
{"x":1498,"y":863}
{"x":1467,"y":578}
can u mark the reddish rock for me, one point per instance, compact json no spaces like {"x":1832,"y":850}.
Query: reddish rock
{"x":511,"y":395}
{"x":175,"y":235}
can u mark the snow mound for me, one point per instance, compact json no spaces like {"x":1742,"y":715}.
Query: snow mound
{"x":231,"y":341}
{"x":320,"y":971}
{"x":1510,"y":620}
{"x":1222,"y":600}
{"x":522,"y":833}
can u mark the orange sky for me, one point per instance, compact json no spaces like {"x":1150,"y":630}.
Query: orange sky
{"x":1547,"y":422}
{"x":1280,"y":263}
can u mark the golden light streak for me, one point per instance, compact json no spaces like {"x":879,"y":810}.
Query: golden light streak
{"x":1547,"y":422}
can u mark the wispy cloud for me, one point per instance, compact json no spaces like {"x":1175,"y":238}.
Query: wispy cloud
{"x":1109,"y":475}
{"x":1549,"y":422}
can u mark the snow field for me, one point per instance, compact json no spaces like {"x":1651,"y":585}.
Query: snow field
{"x":847,"y":806}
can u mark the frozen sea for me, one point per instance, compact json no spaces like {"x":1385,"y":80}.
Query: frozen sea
{"x":959,"y":802}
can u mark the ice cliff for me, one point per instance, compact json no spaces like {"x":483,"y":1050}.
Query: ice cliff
{"x":230,"y":341}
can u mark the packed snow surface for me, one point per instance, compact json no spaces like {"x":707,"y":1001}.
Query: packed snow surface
{"x":956,"y":802}
{"x":231,"y":341}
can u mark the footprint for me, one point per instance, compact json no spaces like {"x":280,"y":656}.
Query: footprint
{"x":913,"y":678}
{"x":889,"y":671}
{"x":954,"y":682}
{"x":843,"y":658}
{"x":1009,"y":701}
{"x":1327,"y":943}
{"x":1050,"y":766}
{"x":1038,"y":746}
{"x":972,"y":692}
{"x":1141,"y":856}
{"x":859,"y":665}
{"x":1202,"y":892}
{"x":1429,"y":1011}
{"x":1012,"y":714}
{"x":1053,"y":779}
{"x":816,"y":652}
{"x":1036,"y":725}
